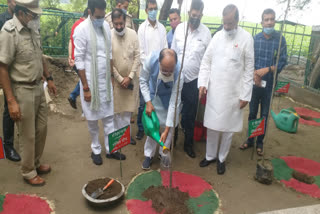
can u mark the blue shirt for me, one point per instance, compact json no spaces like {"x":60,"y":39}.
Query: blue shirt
{"x":170,"y":37}
{"x":265,"y":54}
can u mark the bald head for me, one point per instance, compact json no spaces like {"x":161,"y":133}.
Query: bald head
{"x":168,"y":60}
{"x":230,"y":17}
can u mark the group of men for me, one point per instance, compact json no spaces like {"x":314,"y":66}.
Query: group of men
{"x":120,"y":70}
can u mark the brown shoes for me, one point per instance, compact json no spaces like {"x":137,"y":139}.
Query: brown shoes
{"x":36,"y":181}
{"x":43,"y":169}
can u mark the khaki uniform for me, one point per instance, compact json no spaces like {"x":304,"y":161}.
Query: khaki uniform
{"x":20,"y":49}
{"x":126,"y":63}
{"x":129,"y":21}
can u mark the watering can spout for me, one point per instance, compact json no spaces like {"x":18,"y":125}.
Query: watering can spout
{"x":274,"y":116}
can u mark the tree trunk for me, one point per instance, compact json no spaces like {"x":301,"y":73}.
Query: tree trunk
{"x":180,"y":4}
{"x":164,"y":13}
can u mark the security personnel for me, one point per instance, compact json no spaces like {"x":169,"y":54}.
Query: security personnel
{"x":21,"y":70}
{"x":8,"y":123}
{"x":123,"y":5}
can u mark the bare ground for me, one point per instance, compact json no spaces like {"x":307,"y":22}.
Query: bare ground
{"x":68,"y":152}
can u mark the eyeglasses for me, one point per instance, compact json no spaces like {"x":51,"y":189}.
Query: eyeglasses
{"x":33,"y":15}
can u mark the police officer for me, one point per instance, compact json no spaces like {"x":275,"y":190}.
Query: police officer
{"x":123,"y":5}
{"x":8,"y":123}
{"x":21,"y":70}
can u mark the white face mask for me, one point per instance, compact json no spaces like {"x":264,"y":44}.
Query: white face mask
{"x":120,"y":33}
{"x":34,"y":24}
{"x":165,"y":78}
{"x":231,"y":33}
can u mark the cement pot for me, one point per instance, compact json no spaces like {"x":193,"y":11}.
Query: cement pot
{"x":103,"y":202}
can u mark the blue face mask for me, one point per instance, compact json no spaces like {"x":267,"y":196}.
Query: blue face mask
{"x":125,"y":11}
{"x":152,"y":15}
{"x":98,"y":22}
{"x":268,"y":30}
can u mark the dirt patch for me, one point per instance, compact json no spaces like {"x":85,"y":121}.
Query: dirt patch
{"x":113,"y":190}
{"x":172,"y":200}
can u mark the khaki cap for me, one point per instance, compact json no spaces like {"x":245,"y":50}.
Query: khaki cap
{"x":32,"y":5}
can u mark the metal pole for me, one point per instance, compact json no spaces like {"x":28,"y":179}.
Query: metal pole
{"x":304,"y":30}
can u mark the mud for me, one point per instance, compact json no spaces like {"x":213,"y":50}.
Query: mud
{"x":113,"y":190}
{"x":302,"y":177}
{"x":171,"y":200}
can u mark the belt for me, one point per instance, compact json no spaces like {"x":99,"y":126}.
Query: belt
{"x":35,"y":82}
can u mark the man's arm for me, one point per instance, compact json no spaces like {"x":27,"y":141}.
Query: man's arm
{"x":13,"y":106}
{"x":51,"y":86}
{"x":247,"y":78}
{"x":70,"y":60}
{"x":144,"y":87}
{"x":141,"y":38}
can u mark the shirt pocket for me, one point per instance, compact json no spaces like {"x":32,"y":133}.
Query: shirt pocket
{"x":25,"y":51}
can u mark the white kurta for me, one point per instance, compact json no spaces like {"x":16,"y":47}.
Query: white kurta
{"x":82,"y":55}
{"x":227,"y":72}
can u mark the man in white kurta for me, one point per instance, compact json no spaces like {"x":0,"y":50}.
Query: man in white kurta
{"x":226,"y":76}
{"x":199,"y":37}
{"x":158,"y":83}
{"x":126,"y":65}
{"x":152,"y":37}
{"x":95,"y":83}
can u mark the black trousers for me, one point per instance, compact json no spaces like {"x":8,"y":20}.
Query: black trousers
{"x":190,"y":99}
{"x":7,"y":125}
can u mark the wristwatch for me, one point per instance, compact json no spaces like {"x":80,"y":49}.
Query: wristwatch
{"x":49,"y":78}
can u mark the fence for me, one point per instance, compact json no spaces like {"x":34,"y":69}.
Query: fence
{"x":56,"y":27}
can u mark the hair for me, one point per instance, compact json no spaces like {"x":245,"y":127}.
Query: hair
{"x":117,"y":13}
{"x":268,"y":11}
{"x":165,"y":52}
{"x":174,"y":10}
{"x":122,"y":1}
{"x":150,"y":2}
{"x":229,"y":9}
{"x":85,"y":13}
{"x":197,"y":5}
{"x":100,"y":4}
{"x":20,"y":8}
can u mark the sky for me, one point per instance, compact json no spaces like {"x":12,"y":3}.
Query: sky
{"x":251,"y":10}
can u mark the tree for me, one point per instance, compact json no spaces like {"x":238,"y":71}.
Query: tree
{"x":164,"y":13}
{"x":297,"y":4}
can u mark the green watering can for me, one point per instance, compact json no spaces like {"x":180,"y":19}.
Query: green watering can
{"x":286,"y":120}
{"x":151,"y":127}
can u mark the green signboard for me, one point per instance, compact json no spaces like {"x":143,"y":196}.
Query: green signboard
{"x":282,"y":87}
{"x":119,"y":139}
{"x":256,"y":127}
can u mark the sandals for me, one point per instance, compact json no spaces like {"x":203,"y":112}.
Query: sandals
{"x":260,"y":151}
{"x":246,"y":145}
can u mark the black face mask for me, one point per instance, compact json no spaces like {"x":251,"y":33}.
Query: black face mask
{"x":194,"y":22}
{"x":119,"y":30}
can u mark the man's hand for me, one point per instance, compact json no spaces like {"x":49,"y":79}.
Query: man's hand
{"x":87,"y":96}
{"x":164,"y":135}
{"x":71,"y":62}
{"x":14,"y":110}
{"x":257,"y":80}
{"x":125,"y":82}
{"x":202,"y":92}
{"x":243,"y":104}
{"x":149,"y":108}
{"x":52,"y":88}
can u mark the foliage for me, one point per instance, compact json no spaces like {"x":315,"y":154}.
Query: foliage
{"x":296,"y":4}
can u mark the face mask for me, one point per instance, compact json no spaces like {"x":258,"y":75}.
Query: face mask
{"x":194,"y":22}
{"x":174,"y":24}
{"x":165,"y":76}
{"x":34,"y":24}
{"x":268,"y":30}
{"x":124,"y":11}
{"x":120,"y":32}
{"x":98,"y":22}
{"x":231,"y":33}
{"x":152,"y":15}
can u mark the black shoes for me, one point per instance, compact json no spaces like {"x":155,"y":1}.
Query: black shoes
{"x":97,"y":160}
{"x":205,"y":162}
{"x":116,"y":155}
{"x":140,"y":135}
{"x":190,"y":152}
{"x":132,"y":141}
{"x":72,"y":103}
{"x":11,"y":153}
{"x":221,"y":167}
